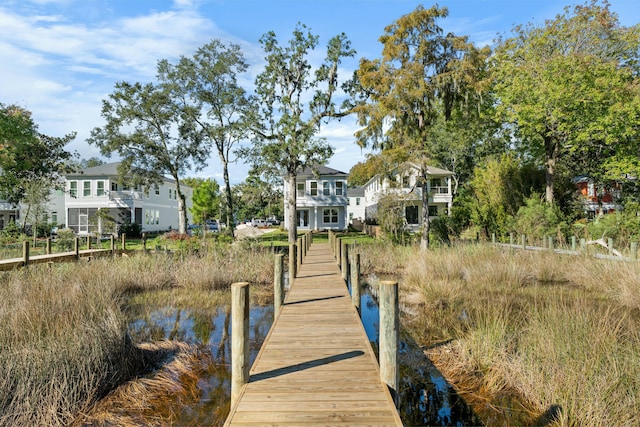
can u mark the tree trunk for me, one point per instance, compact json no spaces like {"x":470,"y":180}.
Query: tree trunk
{"x":291,"y":203}
{"x":551,"y":152}
{"x":424,"y":239}
{"x":228,"y":198}
{"x":182,"y":209}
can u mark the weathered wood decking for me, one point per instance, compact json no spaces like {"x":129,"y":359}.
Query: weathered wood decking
{"x":316,"y":366}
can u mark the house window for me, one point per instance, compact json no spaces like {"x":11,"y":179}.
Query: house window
{"x":146,"y":192}
{"x":100,"y":189}
{"x":157,"y":189}
{"x":86,"y":188}
{"x":436,"y":182}
{"x":339,"y":185}
{"x":325,"y":188}
{"x":114,"y":186}
{"x":406,"y":182}
{"x":54,"y":217}
{"x":73,"y":188}
{"x":157,"y":217}
{"x":433,"y":211}
{"x":411,"y":214}
{"x":357,"y":201}
{"x":314,"y":188}
{"x":300,"y":189}
{"x":330,"y":216}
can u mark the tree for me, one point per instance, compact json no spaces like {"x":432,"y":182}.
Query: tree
{"x":259,"y":196}
{"x":207,"y":83}
{"x":27,"y":156}
{"x":285,"y":136}
{"x":206,"y":199}
{"x":153,"y":136}
{"x":425,"y":79}
{"x":570,"y":89}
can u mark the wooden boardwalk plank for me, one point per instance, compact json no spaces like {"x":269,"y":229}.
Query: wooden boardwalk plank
{"x":316,"y":366}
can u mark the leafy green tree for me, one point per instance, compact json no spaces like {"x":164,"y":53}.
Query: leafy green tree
{"x":153,"y":135}
{"x":208,"y":85}
{"x":27,"y":156}
{"x":206,"y":199}
{"x":570,"y":90}
{"x":259,"y":197}
{"x":293,"y":103}
{"x":424,"y":81}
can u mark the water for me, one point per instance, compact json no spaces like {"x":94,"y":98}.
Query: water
{"x":425,"y":396}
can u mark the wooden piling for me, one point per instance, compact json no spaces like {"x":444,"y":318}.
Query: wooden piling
{"x":240,"y":360}
{"x":88,"y":242}
{"x":573,"y":243}
{"x":550,"y":243}
{"x":292,"y":263}
{"x":524,"y":241}
{"x":278,"y":283}
{"x":48,"y":247}
{"x":299,"y":254}
{"x":124,"y":241}
{"x":610,"y":245}
{"x":355,"y":280}
{"x":343,"y":259}
{"x":25,"y":253}
{"x":76,"y":247}
{"x":113,"y":243}
{"x":389,"y":336}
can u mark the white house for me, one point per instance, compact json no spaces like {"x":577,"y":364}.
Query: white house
{"x":98,"y":188}
{"x":321,"y":199}
{"x":403,"y":183}
{"x":355,"y":206}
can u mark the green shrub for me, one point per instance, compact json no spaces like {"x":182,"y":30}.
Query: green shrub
{"x":133,"y":230}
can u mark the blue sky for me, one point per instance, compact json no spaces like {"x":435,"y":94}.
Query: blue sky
{"x":60,"y":58}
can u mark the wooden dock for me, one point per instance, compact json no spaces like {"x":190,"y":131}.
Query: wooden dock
{"x":15,"y":263}
{"x":316,"y":366}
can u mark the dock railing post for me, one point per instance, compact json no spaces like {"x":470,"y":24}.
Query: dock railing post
{"x":634,"y":251}
{"x":299,"y":254}
{"x":48,"y":248}
{"x":113,"y":243}
{"x":88,"y":242}
{"x":551,"y":243}
{"x":355,"y":280}
{"x":610,"y":245}
{"x":239,"y":339}
{"x":124,"y":242}
{"x":76,"y":247}
{"x":292,"y":263}
{"x":389,"y":336}
{"x":344,"y":249}
{"x":25,"y":253}
{"x":278,"y":283}
{"x":524,"y":241}
{"x":573,"y":243}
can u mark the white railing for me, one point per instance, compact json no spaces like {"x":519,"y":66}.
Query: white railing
{"x":125,"y":195}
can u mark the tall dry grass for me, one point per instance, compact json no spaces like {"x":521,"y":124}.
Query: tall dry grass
{"x":559,"y":333}
{"x":63,"y":332}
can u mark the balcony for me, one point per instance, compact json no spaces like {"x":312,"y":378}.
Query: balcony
{"x":125,"y":195}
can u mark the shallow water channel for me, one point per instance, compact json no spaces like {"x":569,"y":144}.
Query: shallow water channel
{"x":425,"y":396}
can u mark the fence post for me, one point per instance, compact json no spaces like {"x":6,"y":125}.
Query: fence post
{"x":511,"y":239}
{"x":610,"y":245}
{"x":112,"y":243}
{"x":88,"y":242}
{"x":551,"y":243}
{"x":292,"y":263}
{"x":278,"y":283}
{"x":239,"y":339}
{"x":25,"y":253}
{"x":389,"y":336}
{"x":355,"y":280}
{"x":124,"y":241}
{"x":524,"y":241}
{"x":583,"y":244}
{"x":76,"y":247}
{"x":634,"y":251}
{"x":344,"y":259}
{"x":573,"y":243}
{"x":493,"y":238}
{"x":48,"y":248}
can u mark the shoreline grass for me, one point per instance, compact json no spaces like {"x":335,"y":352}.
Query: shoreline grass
{"x":64,"y":334}
{"x":557,"y":333}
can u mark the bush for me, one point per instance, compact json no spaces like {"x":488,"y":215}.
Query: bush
{"x":133,"y":230}
{"x":537,"y":219}
{"x":65,"y":241}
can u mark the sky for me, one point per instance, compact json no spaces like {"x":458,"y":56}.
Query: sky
{"x":60,"y":58}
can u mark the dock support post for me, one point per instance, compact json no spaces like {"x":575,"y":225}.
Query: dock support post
{"x":88,"y":242}
{"x":76,"y":247}
{"x":25,"y":253}
{"x":389,"y":336}
{"x":113,"y":243}
{"x":299,"y":254}
{"x":610,"y":245}
{"x":634,"y":251}
{"x":239,"y":339}
{"x":124,"y":242}
{"x":278,"y":283}
{"x":292,"y":263}
{"x":355,"y":280}
{"x":48,"y":247}
{"x":344,"y":259}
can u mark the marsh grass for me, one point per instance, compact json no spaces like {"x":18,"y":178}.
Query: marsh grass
{"x":63,"y":329}
{"x":559,"y":334}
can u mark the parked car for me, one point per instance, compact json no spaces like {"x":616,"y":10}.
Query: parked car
{"x":273,"y":222}
{"x":259,"y":222}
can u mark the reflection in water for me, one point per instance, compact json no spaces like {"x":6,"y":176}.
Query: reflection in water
{"x":210,"y":331}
